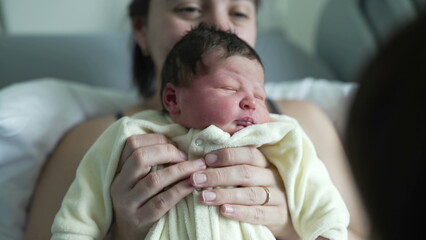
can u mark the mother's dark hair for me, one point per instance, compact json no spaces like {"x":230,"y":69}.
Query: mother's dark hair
{"x":143,"y":66}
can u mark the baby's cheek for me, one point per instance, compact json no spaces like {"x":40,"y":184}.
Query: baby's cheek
{"x":224,"y":116}
{"x":264,"y":116}
{"x":220,"y":116}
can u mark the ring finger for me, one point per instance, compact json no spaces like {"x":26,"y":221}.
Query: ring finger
{"x":242,"y":196}
{"x":240,"y":175}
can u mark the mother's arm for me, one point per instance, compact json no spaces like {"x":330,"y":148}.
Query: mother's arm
{"x":57,"y":175}
{"x":330,"y":150}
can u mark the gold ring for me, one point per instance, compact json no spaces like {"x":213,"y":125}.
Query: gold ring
{"x":268,"y":195}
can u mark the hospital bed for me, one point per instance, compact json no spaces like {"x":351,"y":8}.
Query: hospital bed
{"x":49,"y":83}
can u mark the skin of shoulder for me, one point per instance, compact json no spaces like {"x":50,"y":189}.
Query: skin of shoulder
{"x":316,"y":125}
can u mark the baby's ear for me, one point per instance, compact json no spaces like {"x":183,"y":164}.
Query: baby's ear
{"x":170,"y":101}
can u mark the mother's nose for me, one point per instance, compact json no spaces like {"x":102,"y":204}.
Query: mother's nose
{"x":248,"y":103}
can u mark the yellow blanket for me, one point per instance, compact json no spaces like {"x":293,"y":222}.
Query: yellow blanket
{"x":315,"y":206}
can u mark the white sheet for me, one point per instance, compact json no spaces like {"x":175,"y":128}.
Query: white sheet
{"x":333,"y":97}
{"x":35,"y":114}
{"x":33,"y":117}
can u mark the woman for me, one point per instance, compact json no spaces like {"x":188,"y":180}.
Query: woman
{"x":157,"y":25}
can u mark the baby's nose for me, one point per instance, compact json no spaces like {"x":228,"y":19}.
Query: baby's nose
{"x":248,"y":103}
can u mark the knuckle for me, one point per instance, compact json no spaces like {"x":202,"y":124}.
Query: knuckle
{"x":153,"y":180}
{"x":225,"y":155}
{"x":258,"y":214}
{"x":245,"y":173}
{"x":252,"y":155}
{"x":160,"y":203}
{"x":161,"y":139}
{"x":216,"y":175}
{"x":149,"y":217}
{"x":175,"y":170}
{"x":174,"y":192}
{"x":252,"y":195}
{"x":170,"y":148}
{"x":177,"y":192}
{"x":181,"y":169}
{"x":133,"y":141}
{"x":229,"y":155}
{"x":139,"y":155}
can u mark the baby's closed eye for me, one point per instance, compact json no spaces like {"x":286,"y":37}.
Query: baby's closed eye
{"x":229,"y":89}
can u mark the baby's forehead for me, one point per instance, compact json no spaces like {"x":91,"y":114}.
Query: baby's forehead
{"x":225,"y":68}
{"x":217,"y":56}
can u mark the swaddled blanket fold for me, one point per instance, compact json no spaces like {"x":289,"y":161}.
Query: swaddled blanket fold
{"x":315,"y":206}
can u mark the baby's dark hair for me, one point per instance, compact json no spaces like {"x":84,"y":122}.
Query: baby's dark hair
{"x":182,"y":61}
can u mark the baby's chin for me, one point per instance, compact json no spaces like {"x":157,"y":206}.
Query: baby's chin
{"x":233,"y":129}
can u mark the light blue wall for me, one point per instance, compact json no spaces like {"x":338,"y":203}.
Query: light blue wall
{"x":64,"y":16}
{"x":297,"y":18}
{"x":2,"y":22}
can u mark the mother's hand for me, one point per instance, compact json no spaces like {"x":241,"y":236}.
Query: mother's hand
{"x":138,"y":194}
{"x":246,"y":167}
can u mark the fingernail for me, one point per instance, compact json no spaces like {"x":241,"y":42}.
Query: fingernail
{"x":199,"y":178}
{"x":209,"y":196}
{"x":211,"y":158}
{"x":229,"y":209}
{"x":199,"y":163}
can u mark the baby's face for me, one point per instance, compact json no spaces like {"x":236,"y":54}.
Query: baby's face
{"x":229,"y":94}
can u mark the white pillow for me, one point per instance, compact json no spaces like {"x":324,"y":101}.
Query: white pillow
{"x":34,"y":116}
{"x":333,"y":97}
